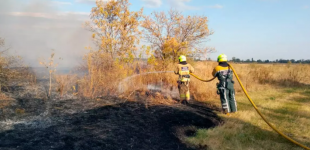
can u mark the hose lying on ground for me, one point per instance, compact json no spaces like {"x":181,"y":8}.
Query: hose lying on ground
{"x":253,"y":104}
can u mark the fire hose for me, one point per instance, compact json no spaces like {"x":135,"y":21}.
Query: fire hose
{"x":253,"y":104}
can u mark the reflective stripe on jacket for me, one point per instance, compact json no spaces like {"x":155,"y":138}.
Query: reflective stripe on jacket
{"x":183,"y":71}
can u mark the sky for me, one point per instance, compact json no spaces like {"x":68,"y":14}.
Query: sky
{"x":259,"y":29}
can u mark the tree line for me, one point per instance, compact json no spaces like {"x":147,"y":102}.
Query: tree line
{"x":303,"y":61}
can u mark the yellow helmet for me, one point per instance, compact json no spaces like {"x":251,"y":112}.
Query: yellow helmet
{"x":222,"y":58}
{"x":182,"y":58}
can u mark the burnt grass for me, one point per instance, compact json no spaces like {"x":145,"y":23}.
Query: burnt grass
{"x":93,"y":124}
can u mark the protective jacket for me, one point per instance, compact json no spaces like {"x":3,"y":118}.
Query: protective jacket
{"x":225,"y":87}
{"x":184,"y":69}
{"x":224,"y":75}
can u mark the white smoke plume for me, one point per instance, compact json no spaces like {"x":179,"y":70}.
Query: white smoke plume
{"x":32,"y":28}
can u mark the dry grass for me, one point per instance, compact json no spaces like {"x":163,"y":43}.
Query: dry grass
{"x":65,"y":84}
{"x":269,"y":85}
{"x":4,"y":97}
{"x":12,"y":70}
{"x":254,"y":77}
{"x":281,"y":92}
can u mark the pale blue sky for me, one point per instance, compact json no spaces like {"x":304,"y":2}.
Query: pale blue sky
{"x":262,"y":29}
{"x":259,"y":29}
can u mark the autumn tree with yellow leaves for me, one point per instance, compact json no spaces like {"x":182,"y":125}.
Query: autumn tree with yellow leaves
{"x":172,"y":34}
{"x":116,"y":33}
{"x":115,"y":29}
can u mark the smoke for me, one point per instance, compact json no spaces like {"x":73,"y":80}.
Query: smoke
{"x":33,"y":28}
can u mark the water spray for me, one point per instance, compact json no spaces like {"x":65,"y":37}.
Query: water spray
{"x":120,"y":85}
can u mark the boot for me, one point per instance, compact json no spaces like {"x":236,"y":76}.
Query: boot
{"x":225,"y":111}
{"x":185,"y":102}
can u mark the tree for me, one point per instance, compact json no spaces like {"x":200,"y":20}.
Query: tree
{"x":233,"y":59}
{"x":115,"y":28}
{"x":116,"y":32}
{"x":293,"y":60}
{"x":51,"y":67}
{"x":173,"y":34}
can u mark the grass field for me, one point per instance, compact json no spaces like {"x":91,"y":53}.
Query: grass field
{"x":286,"y":105}
{"x":281,"y":92}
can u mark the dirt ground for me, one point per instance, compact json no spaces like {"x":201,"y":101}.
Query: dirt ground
{"x":94,"y":124}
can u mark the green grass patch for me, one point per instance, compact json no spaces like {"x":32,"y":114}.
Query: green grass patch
{"x":284,"y":108}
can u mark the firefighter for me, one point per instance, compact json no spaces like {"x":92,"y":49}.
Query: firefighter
{"x":183,"y":69}
{"x":225,"y":87}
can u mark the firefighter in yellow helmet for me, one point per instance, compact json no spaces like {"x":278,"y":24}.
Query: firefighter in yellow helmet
{"x":183,"y":69}
{"x":226,"y":85}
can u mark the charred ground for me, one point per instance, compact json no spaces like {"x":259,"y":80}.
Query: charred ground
{"x":106,"y":123}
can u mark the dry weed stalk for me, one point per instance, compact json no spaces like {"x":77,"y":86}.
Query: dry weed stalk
{"x":51,"y":67}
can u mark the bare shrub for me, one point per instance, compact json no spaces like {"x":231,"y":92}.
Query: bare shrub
{"x":12,"y":69}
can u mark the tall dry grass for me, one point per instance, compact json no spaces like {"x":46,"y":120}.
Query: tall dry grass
{"x":65,"y":84}
{"x":253,"y":77}
{"x":110,"y":78}
{"x":102,"y":75}
{"x":275,"y":74}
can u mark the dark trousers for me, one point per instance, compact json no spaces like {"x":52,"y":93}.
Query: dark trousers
{"x":228,"y":100}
